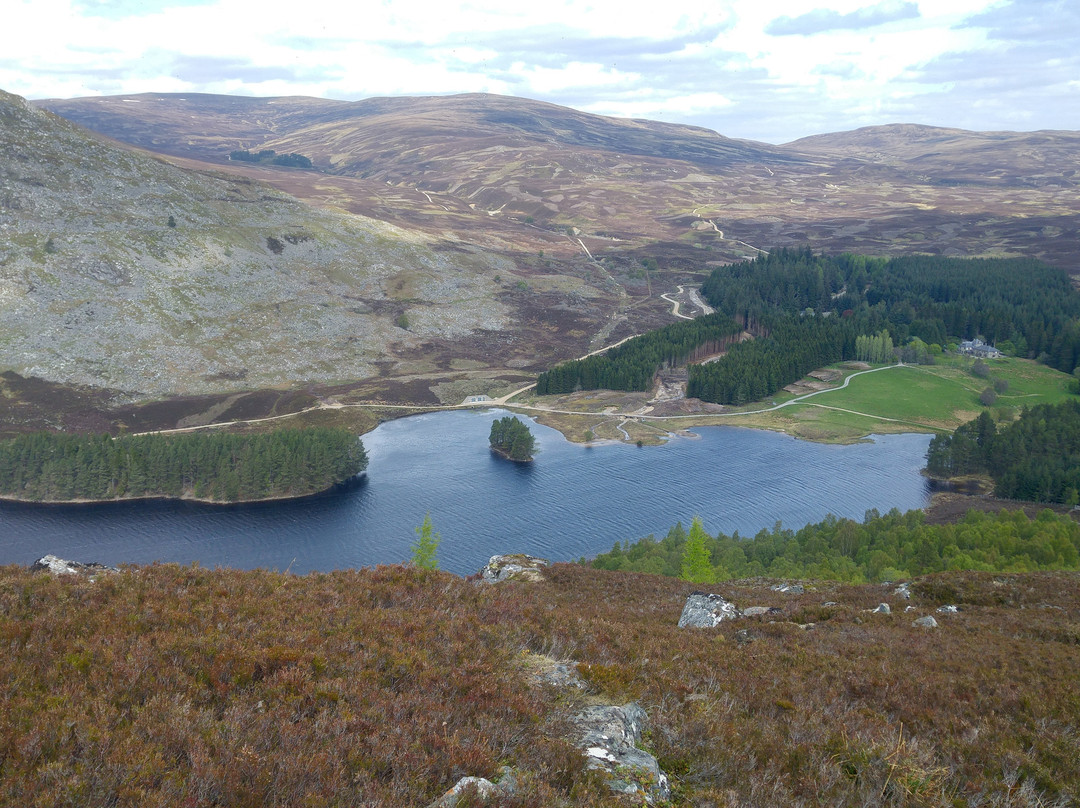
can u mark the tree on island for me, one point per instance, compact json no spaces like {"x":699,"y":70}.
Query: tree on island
{"x":512,"y":439}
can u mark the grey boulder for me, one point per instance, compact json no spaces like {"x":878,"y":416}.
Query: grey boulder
{"x":514,"y":567}
{"x":703,"y":610}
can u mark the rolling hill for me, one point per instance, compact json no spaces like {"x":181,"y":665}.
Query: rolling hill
{"x":477,"y":163}
{"x":120,"y":270}
{"x":439,"y":247}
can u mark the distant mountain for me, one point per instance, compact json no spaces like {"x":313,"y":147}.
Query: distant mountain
{"x":960,"y":157}
{"x":486,"y":165}
{"x":208,"y":126}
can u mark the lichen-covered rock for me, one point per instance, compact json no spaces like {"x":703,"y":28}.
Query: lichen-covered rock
{"x":950,"y":609}
{"x":704,"y":610}
{"x":60,"y":566}
{"x":485,"y":789}
{"x":883,"y":608}
{"x":610,"y":735}
{"x":756,"y":611}
{"x":925,"y":622}
{"x":514,"y":567}
{"x":789,"y":589}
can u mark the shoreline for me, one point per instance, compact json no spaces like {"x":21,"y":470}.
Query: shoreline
{"x":501,"y":453}
{"x":186,"y":499}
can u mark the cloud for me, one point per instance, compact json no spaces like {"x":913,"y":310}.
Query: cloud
{"x":200,"y":70}
{"x":1039,"y":21}
{"x":121,"y":9}
{"x":768,"y":71}
{"x":824,"y":19}
{"x":839,"y":69}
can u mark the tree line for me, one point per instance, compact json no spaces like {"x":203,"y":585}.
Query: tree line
{"x":634,"y":364}
{"x":786,"y":349}
{"x":1036,"y":457}
{"x":808,"y":308}
{"x":882,"y":548}
{"x":216,"y":466}
{"x":1023,"y":306}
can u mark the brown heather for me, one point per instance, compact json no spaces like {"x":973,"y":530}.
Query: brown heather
{"x":180,"y":686}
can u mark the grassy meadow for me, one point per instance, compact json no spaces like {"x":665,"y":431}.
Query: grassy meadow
{"x":910,"y":398}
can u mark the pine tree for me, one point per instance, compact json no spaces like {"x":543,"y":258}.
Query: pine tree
{"x":427,"y":542}
{"x":696,"y":564}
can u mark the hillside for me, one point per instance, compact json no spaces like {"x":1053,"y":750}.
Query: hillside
{"x":484,"y":164}
{"x":180,"y":685}
{"x":439,"y":248}
{"x":120,"y":271}
{"x":959,"y":157}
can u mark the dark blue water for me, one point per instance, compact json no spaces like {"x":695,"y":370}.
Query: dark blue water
{"x":572,"y":501}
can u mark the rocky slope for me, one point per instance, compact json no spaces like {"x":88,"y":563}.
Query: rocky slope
{"x":120,"y":270}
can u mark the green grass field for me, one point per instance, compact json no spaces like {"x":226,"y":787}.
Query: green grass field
{"x":909,"y":398}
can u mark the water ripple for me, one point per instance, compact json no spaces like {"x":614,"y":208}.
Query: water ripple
{"x":573,"y":501}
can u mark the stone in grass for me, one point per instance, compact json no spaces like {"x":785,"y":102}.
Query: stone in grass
{"x":925,"y":622}
{"x":481,"y":787}
{"x":788,"y":589}
{"x":514,"y":567}
{"x":610,"y":735}
{"x":703,"y":610}
{"x":883,"y":608}
{"x":757,"y":611}
{"x":60,"y":566}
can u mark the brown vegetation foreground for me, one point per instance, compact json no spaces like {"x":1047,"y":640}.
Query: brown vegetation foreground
{"x":171,"y":685}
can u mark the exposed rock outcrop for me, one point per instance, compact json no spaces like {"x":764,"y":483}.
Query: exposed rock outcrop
{"x":704,"y":610}
{"x":789,"y":589}
{"x":491,"y":793}
{"x":610,"y":735}
{"x":60,"y":566}
{"x":925,"y":622}
{"x":514,"y":567}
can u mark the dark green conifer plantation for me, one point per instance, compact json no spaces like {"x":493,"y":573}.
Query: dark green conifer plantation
{"x":512,"y":439}
{"x":1036,"y":458}
{"x":213,"y":466}
{"x":807,"y":311}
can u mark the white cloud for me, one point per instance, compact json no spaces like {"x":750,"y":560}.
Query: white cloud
{"x":837,"y":63}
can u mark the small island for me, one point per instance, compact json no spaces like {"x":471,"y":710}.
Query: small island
{"x":512,"y":439}
{"x":214,"y":467}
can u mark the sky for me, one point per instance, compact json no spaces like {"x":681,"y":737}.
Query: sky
{"x":769,"y":70}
